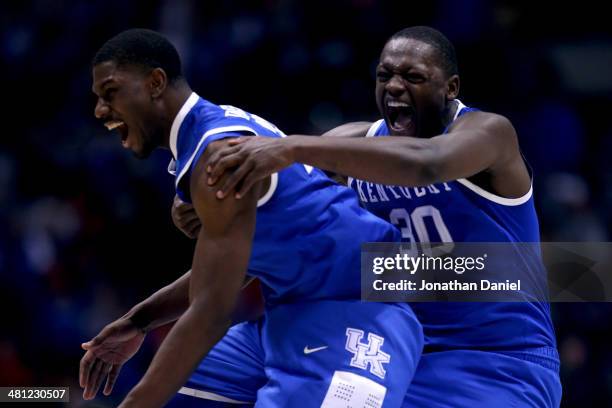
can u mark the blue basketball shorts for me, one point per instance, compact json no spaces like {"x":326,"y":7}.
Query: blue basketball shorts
{"x":482,"y":379}
{"x":311,"y":354}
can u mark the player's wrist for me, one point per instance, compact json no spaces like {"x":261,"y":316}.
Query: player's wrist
{"x":139,"y":319}
{"x":295,"y":146}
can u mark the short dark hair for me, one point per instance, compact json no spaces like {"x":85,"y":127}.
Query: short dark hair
{"x":141,"y":47}
{"x":436,"y":39}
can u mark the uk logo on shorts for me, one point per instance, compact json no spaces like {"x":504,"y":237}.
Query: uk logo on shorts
{"x":367,"y":354}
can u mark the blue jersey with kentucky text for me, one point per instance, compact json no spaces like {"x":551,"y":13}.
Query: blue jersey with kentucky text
{"x":461,"y":211}
{"x":309,"y":230}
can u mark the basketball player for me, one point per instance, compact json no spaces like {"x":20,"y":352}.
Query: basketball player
{"x":297,"y":231}
{"x":469,"y":183}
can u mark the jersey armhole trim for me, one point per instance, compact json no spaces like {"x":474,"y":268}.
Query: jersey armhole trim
{"x":266,"y":197}
{"x":495,"y":198}
{"x":373,"y":128}
{"x":460,"y":107}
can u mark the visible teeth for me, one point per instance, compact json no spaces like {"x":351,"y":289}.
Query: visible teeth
{"x":113,"y":124}
{"x":397,"y":104}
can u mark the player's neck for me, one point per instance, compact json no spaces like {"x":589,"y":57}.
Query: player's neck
{"x":449,"y":113}
{"x":175,"y":98}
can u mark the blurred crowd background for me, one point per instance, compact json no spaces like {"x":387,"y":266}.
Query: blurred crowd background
{"x":85,"y":228}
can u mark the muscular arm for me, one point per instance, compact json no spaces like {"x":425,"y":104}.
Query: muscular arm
{"x":348,"y":130}
{"x":479,"y":141}
{"x":219,"y":265}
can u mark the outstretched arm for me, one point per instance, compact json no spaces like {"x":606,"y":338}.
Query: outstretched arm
{"x":479,"y":141}
{"x":219,"y":265}
{"x":119,"y":340}
{"x":348,"y":130}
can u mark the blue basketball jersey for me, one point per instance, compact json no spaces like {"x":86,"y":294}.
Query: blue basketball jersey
{"x":309,"y":230}
{"x":460,"y":211}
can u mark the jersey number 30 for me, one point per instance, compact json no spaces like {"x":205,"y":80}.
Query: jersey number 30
{"x":415,"y":224}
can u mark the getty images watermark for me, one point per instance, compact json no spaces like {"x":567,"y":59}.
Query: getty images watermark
{"x":495,"y":272}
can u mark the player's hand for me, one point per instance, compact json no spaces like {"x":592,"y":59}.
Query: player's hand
{"x":185,"y":218}
{"x":105,"y":355}
{"x":254,"y":158}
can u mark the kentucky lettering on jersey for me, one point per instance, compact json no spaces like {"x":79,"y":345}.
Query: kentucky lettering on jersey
{"x":373,"y":193}
{"x":308,"y":231}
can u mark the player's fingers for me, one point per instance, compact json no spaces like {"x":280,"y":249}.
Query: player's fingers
{"x":196,"y":231}
{"x":179,"y":206}
{"x":236,"y":141}
{"x":232,"y":181}
{"x":192,"y":228}
{"x":111,"y":379}
{"x":85,"y":367}
{"x":187,"y":219}
{"x":223,"y":164}
{"x":93,"y":373}
{"x":97,"y":382}
{"x":218,"y":155}
{"x":187,"y":215}
{"x":183,"y":208}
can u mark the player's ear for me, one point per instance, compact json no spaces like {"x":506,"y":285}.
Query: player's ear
{"x":452,"y":87}
{"x":158,"y":81}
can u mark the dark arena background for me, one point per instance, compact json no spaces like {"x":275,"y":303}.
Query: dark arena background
{"x":85,"y":228}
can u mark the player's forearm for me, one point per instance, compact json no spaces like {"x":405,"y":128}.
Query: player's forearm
{"x":193,"y":335}
{"x":218,"y":271}
{"x":398,"y":161}
{"x":164,"y":306}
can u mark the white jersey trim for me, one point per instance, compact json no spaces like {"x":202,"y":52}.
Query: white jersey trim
{"x":266,"y":197}
{"x":208,"y":396}
{"x":460,"y":107}
{"x":172,"y":167}
{"x":178,"y":121}
{"x":215,"y":131}
{"x":373,"y":128}
{"x":484,"y":193}
{"x":495,"y":198}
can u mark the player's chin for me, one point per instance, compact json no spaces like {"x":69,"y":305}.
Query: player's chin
{"x":141,"y":155}
{"x":143,"y":151}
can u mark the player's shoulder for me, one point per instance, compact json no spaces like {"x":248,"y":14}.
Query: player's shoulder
{"x":214,"y":146}
{"x":201,"y":161}
{"x":493,"y":124}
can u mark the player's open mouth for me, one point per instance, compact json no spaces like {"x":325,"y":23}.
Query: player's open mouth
{"x":121,"y":127}
{"x":400,"y":115}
